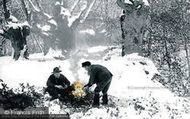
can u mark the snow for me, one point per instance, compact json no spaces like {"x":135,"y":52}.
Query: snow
{"x":45,"y":33}
{"x":54,"y":53}
{"x":13,"y":18}
{"x":44,"y":28}
{"x":97,"y":49}
{"x":49,"y":16}
{"x":35,"y":72}
{"x":131,"y":78}
{"x":188,"y":11}
{"x":57,"y":3}
{"x":88,"y":31}
{"x":65,"y":12}
{"x":52,"y":21}
{"x":129,"y":2}
{"x":16,"y":25}
{"x":103,"y":31}
{"x":146,"y":2}
{"x":73,"y":17}
{"x":1,"y":31}
{"x":49,"y":56}
{"x":130,"y":84}
{"x":130,"y":75}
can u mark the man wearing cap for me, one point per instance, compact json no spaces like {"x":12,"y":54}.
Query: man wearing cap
{"x":57,"y":84}
{"x":100,"y":76}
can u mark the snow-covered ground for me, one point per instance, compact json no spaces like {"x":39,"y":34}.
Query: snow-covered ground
{"x":133,"y":92}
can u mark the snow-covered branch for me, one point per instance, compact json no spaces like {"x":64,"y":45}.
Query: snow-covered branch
{"x":121,"y":4}
{"x":73,"y":18}
{"x":88,"y":11}
{"x":39,"y":10}
{"x":74,"y":6}
{"x":33,"y":6}
{"x":25,"y":10}
{"x":38,"y":4}
{"x":1,"y":31}
{"x":126,"y":4}
{"x":83,"y":14}
{"x":146,"y":2}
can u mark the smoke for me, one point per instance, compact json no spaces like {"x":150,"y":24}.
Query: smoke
{"x":75,"y":62}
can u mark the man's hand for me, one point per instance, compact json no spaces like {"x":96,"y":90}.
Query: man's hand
{"x":61,"y":87}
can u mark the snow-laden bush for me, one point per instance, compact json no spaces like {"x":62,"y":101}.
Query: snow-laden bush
{"x":21,"y":98}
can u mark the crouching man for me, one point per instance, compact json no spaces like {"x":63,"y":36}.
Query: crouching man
{"x":100,"y":76}
{"x":57,"y":84}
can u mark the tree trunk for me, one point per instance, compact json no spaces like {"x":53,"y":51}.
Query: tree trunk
{"x":187,"y":55}
{"x":122,"y":19}
{"x":6,"y":11}
{"x":25,"y":10}
{"x":133,"y":26}
{"x":167,"y":54}
{"x":149,"y":44}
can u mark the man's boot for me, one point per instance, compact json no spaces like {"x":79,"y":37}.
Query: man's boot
{"x":96,"y":101}
{"x":105,"y":99}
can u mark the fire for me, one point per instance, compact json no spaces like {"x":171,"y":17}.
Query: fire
{"x":78,"y":89}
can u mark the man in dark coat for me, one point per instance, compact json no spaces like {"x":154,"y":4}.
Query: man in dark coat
{"x":57,"y":84}
{"x":100,"y":76}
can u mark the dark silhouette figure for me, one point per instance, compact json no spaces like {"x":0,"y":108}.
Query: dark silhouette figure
{"x":57,"y":84}
{"x":100,"y":76}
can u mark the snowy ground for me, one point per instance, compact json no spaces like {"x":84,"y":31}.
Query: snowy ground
{"x":133,"y":92}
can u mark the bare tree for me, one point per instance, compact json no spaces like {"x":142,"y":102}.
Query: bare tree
{"x":134,"y":25}
{"x":15,"y":32}
{"x":62,"y":23}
